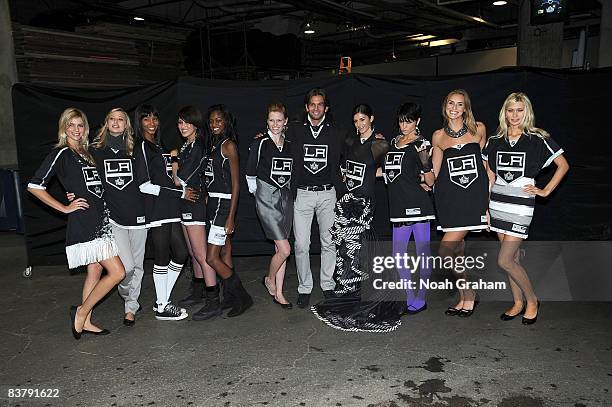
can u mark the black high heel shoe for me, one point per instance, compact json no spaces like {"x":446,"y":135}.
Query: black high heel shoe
{"x":464,"y":313}
{"x":531,"y":321}
{"x":76,"y":334}
{"x":452,"y":311}
{"x":506,"y":317}
{"x":283,"y":306}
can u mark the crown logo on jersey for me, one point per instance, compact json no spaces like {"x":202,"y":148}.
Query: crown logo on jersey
{"x":350,"y":183}
{"x":314,"y":166}
{"x":392,"y":174}
{"x":508,"y":176}
{"x":464,"y":180}
{"x":281,"y":180}
{"x":120,"y":182}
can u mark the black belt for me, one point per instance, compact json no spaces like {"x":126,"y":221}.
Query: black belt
{"x":317,"y":188}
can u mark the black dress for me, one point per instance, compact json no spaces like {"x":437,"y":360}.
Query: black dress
{"x":461,"y":191}
{"x":356,"y":306}
{"x":408,"y":202}
{"x":154,"y":177}
{"x":192,"y":161}
{"x":89,"y":238}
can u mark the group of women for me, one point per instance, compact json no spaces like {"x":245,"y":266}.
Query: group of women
{"x":477,"y":184}
{"x":126,"y":184}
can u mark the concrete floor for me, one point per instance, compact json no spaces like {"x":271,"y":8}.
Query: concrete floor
{"x":274,"y":357}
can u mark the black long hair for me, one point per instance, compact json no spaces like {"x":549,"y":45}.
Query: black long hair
{"x":362,"y":108}
{"x":141,"y":112}
{"x":230,"y":127}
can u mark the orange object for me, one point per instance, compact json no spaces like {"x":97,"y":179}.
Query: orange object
{"x":345,"y":65}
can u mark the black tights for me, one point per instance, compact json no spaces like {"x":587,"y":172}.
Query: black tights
{"x":168,"y":239}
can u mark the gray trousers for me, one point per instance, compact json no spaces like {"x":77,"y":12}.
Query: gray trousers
{"x":307,"y":204}
{"x":131,"y":245}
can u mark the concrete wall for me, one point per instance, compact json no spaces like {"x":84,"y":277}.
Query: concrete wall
{"x":8,"y":76}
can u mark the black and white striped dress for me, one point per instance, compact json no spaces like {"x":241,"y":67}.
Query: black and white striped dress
{"x":89,"y":238}
{"x":515,"y":165}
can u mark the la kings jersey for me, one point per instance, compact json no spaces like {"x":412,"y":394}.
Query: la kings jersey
{"x":316,"y":151}
{"x":269,"y":163}
{"x":217,"y":176}
{"x":154,"y":178}
{"x":515,"y":165}
{"x":82,"y":179}
{"x":408,"y":201}
{"x":361,"y":160}
{"x":123,"y":197}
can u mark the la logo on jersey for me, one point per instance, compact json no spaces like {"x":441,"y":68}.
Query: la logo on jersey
{"x":315,"y":157}
{"x":462,"y":170}
{"x":118,"y":172}
{"x":209,"y":174}
{"x":280,"y":171}
{"x":355,"y":172}
{"x":168,"y":164}
{"x":92,"y":181}
{"x":510,"y":165}
{"x":393,"y":165}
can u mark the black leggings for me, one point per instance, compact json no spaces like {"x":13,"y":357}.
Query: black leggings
{"x":168,"y":239}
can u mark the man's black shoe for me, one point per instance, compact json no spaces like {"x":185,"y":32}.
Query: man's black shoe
{"x":303,"y":300}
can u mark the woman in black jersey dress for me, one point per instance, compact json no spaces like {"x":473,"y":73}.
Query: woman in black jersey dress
{"x":515,"y":155}
{"x":222,"y":175}
{"x":162,"y":199}
{"x":191,"y":163}
{"x":409,"y":177}
{"x":461,"y":189}
{"x":350,"y":309}
{"x":89,"y":239}
{"x":269,"y":178}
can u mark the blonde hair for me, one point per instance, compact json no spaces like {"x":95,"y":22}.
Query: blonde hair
{"x":528,"y":124}
{"x":62,"y":137}
{"x":100,"y":140}
{"x":468,"y":116}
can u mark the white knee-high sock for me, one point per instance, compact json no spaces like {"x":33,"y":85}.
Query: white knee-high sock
{"x":160,"y":279}
{"x":174,"y":270}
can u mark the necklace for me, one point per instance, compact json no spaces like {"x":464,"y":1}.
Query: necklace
{"x":186,"y":144}
{"x":278,"y":143}
{"x":455,"y":134}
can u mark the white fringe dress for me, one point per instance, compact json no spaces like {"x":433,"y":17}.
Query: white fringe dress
{"x":89,"y":238}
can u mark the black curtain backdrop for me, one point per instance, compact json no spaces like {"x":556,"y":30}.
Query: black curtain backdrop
{"x":570,"y":105}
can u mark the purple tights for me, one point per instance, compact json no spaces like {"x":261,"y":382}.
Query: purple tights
{"x":415,"y":298}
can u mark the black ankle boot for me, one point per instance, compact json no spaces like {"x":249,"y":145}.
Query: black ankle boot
{"x":196,"y":296}
{"x":212,"y":308}
{"x":241,"y":300}
{"x":228,"y":301}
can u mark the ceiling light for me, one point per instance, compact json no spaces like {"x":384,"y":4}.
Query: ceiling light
{"x":138,"y":18}
{"x":308,"y":29}
{"x":440,"y":43}
{"x":480,"y":20}
{"x":421,"y":37}
{"x":500,"y":3}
